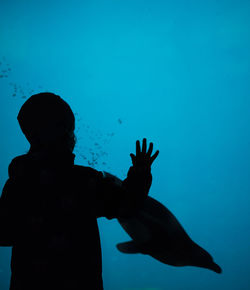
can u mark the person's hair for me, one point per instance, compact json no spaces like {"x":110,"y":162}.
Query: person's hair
{"x":45,"y":118}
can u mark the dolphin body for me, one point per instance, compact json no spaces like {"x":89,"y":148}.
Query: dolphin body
{"x":156,"y":232}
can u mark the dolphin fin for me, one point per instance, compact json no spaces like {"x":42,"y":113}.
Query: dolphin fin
{"x":216,"y":268}
{"x":128,"y":247}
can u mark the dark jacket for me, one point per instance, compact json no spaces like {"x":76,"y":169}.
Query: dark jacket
{"x":48,"y":214}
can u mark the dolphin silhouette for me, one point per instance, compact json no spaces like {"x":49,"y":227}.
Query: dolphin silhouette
{"x":156,"y":232}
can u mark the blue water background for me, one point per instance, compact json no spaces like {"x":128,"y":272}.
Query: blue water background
{"x":176,"y":72}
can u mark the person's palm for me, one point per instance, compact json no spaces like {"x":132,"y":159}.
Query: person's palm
{"x":143,"y":159}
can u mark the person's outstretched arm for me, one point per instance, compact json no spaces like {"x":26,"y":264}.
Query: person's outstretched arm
{"x":120,"y":200}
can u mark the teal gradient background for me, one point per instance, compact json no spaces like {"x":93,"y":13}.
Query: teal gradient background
{"x":175,"y":72}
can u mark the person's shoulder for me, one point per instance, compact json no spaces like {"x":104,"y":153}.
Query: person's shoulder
{"x":20,"y":158}
{"x":17,"y":163}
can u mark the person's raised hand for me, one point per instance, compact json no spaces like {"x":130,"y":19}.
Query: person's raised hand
{"x":143,"y":158}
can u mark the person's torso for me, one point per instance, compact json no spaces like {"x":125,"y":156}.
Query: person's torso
{"x":58,"y":237}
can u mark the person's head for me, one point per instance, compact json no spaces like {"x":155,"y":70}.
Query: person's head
{"x":48,"y":123}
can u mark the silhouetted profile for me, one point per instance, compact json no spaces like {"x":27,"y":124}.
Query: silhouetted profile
{"x":49,"y":206}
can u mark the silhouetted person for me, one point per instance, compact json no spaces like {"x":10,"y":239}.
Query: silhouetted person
{"x":49,"y":206}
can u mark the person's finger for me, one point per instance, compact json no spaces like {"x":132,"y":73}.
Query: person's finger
{"x":133,"y":158}
{"x":138,"y":149}
{"x":150,"y":149}
{"x":144,"y":145}
{"x":152,"y":159}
